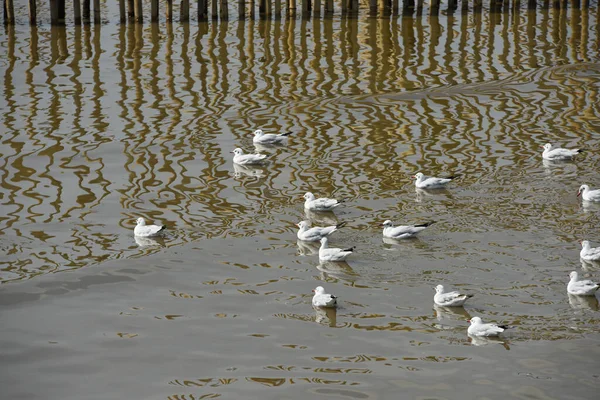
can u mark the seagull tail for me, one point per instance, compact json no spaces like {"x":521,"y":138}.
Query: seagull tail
{"x":350,"y":249}
{"x":469,"y":295}
{"x":162,"y":228}
{"x":425,"y":225}
{"x":504,"y":326}
{"x":580,"y":151}
{"x":341,"y":224}
{"x":286,"y":133}
{"x":453,"y":176}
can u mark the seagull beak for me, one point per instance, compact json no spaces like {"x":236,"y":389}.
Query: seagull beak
{"x":468,"y":320}
{"x":578,"y":193}
{"x":313,"y":290}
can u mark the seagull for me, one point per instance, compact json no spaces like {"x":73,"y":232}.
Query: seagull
{"x":247,"y":159}
{"x":403,"y":231}
{"x":581,"y":288}
{"x":588,"y":253}
{"x":322,"y":204}
{"x":427,"y":182}
{"x":333,"y":253}
{"x":315,"y":234}
{"x":143,"y":230}
{"x":478,"y":328}
{"x":322,"y":299}
{"x":449,"y":299}
{"x":587,"y":194}
{"x":558,"y":154}
{"x":268,"y":138}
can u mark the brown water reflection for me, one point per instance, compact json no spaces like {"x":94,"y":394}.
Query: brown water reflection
{"x":104,"y":124}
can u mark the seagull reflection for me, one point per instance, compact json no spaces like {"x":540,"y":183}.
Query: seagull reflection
{"x":583,"y":302}
{"x":307,"y":248}
{"x":422,"y":193}
{"x":240,"y":170}
{"x":321,"y":218}
{"x":589,"y":266}
{"x":590,"y":206}
{"x":146,"y":241}
{"x":337,"y":269}
{"x":559,"y":165}
{"x":326,"y":315}
{"x":456,"y":313}
{"x":484,"y":341}
{"x":266,"y":148}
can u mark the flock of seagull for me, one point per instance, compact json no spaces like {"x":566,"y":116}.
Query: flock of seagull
{"x":442,"y":298}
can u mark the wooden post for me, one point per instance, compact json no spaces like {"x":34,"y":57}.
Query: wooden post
{"x":97,"y":15}
{"x":262,"y":5}
{"x":33,"y":12}
{"x":317,"y":9}
{"x":396,"y":7}
{"x":328,"y":7}
{"x":85,"y":12}
{"x":203,"y":10}
{"x":373,"y":4}
{"x":269,"y":9}
{"x":242,"y":9}
{"x":419,"y":7}
{"x":184,"y":11}
{"x":122,"y":12}
{"x":169,"y":11}
{"x":434,"y":7}
{"x":139,"y":11}
{"x":277,"y":9}
{"x":576,"y":3}
{"x":291,"y":8}
{"x":130,"y":10}
{"x":252,"y":6}
{"x":465,"y":6}
{"x":223,"y":10}
{"x":214,"y":10}
{"x":477,"y":5}
{"x":531,"y":4}
{"x":305,"y":8}
{"x":153,"y":10}
{"x":451,"y":6}
{"x":57,"y":12}
{"x":9,"y":11}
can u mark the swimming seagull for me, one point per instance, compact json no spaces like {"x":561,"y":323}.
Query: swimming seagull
{"x":323,"y":204}
{"x":581,"y":288}
{"x":449,"y":299}
{"x":587,"y":194}
{"x":315,"y":234}
{"x":269,"y":138}
{"x":322,"y":299}
{"x":143,"y":230}
{"x":589,"y":253}
{"x":333,"y":253}
{"x":427,"y":182}
{"x":402,"y":231}
{"x":247,"y":159}
{"x":558,"y":154}
{"x":478,"y":328}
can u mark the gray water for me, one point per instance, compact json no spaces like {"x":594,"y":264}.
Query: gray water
{"x":102,"y":125}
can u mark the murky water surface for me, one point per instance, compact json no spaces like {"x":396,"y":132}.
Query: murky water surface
{"x":102,"y":125}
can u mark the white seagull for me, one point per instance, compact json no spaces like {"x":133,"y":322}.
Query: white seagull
{"x":478,"y":328}
{"x":268,"y":138}
{"x":589,"y":253}
{"x":322,"y":299}
{"x":333,"y":253}
{"x":315,"y":234}
{"x":581,"y":288}
{"x":587,"y":194}
{"x":403,"y":231}
{"x":427,"y":182}
{"x":143,"y":230}
{"x":449,"y":299}
{"x":558,"y":154}
{"x":323,"y":204}
{"x":247,"y":159}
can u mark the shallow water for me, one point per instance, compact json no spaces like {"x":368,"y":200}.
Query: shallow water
{"x":102,"y":125}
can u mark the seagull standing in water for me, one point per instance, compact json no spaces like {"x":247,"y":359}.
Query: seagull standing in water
{"x":589,"y":253}
{"x":478,"y":328}
{"x":269,"y":138}
{"x":322,"y":299}
{"x":558,"y":154}
{"x":143,"y":230}
{"x":323,"y":204}
{"x":587,"y":194}
{"x":449,"y":299}
{"x":403,"y":231}
{"x":247,"y":159}
{"x":316,"y":233}
{"x":429,"y":182}
{"x":583,"y":287}
{"x":333,"y":253}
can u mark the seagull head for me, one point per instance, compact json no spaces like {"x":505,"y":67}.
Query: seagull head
{"x":140,"y":221}
{"x":585,"y":243}
{"x":319,"y":290}
{"x":302,"y":224}
{"x":309,"y":196}
{"x":324,"y":240}
{"x":574,"y":276}
{"x":418,"y":175}
{"x":582,"y":188}
{"x":439,"y":289}
{"x":238,"y":151}
{"x":387,"y":223}
{"x":547,"y":147}
{"x":258,"y":132}
{"x":475,"y":320}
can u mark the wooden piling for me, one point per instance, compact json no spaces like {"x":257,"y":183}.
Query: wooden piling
{"x":317,"y":9}
{"x":396,"y":7}
{"x":169,"y":11}
{"x":465,"y":6}
{"x":122,"y":12}
{"x":223,"y":10}
{"x":130,"y":10}
{"x":262,"y":5}
{"x":203,"y":10}
{"x":97,"y":14}
{"x":269,"y":9}
{"x":139,"y":11}
{"x":85,"y":12}
{"x":434,"y":7}
{"x":278,"y":9}
{"x":291,"y":8}
{"x":328,"y":7}
{"x":531,"y":4}
{"x":252,"y":7}
{"x":242,"y":9}
{"x":9,"y":12}
{"x":373,"y":4}
{"x":184,"y":11}
{"x":305,"y":8}
{"x":153,"y":10}
{"x":214,"y":10}
{"x":33,"y":12}
{"x":57,"y":12}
